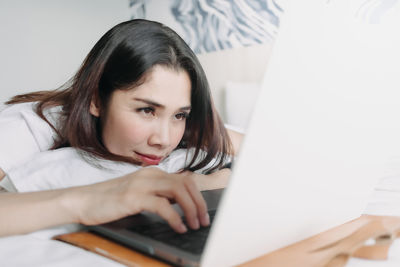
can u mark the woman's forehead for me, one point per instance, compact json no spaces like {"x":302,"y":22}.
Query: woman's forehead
{"x":165,"y":86}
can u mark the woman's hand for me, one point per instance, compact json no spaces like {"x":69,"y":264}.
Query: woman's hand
{"x":148,"y":189}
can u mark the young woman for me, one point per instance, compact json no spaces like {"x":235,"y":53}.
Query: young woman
{"x":140,"y":97}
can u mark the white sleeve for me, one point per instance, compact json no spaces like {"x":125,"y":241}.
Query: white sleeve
{"x":65,"y":167}
{"x":22,"y":134}
{"x":178,"y":160}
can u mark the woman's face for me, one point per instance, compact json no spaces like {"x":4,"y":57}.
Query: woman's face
{"x":147,"y":122}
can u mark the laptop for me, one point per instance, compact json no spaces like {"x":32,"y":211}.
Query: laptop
{"x":325,"y":123}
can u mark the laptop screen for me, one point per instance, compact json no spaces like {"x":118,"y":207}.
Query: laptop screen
{"x":325,"y":124}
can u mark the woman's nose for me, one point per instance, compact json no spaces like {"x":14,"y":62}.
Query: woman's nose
{"x":160,"y":135}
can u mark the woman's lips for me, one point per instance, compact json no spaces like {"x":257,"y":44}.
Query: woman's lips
{"x":149,"y":159}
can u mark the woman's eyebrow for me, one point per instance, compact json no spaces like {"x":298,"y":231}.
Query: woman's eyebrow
{"x":149,"y":102}
{"x":186,"y":108}
{"x":155,"y":104}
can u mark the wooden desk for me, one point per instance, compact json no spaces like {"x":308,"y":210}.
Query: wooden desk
{"x":331,"y":248}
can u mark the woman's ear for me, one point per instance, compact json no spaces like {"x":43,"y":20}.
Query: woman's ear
{"x":94,"y":108}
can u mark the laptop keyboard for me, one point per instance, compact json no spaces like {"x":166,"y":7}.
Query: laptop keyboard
{"x":192,"y":241}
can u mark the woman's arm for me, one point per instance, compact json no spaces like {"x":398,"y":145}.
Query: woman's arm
{"x":26,"y":212}
{"x":148,"y":189}
{"x":215,"y":180}
{"x":236,"y":139}
{"x":2,"y":174}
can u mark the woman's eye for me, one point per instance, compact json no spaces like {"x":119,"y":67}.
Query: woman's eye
{"x":182,"y":116}
{"x":146,"y":111}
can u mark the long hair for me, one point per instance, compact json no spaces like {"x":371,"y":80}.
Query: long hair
{"x":118,"y":61}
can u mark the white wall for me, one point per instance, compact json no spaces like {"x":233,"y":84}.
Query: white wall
{"x":43,"y":42}
{"x":238,"y":65}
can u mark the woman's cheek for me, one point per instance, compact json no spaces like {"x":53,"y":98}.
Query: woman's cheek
{"x":178,"y":135}
{"x":135,"y":133}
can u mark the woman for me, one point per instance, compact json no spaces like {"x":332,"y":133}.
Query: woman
{"x":139,"y":96}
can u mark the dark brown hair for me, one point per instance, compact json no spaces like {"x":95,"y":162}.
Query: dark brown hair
{"x":120,"y":60}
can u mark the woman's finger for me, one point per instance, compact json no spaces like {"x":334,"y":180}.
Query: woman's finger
{"x":174,"y":188}
{"x":188,"y":196}
{"x":199,"y":201}
{"x":164,"y":209}
{"x":187,"y":203}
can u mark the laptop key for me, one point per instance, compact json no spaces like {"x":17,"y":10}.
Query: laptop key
{"x":192,"y":241}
